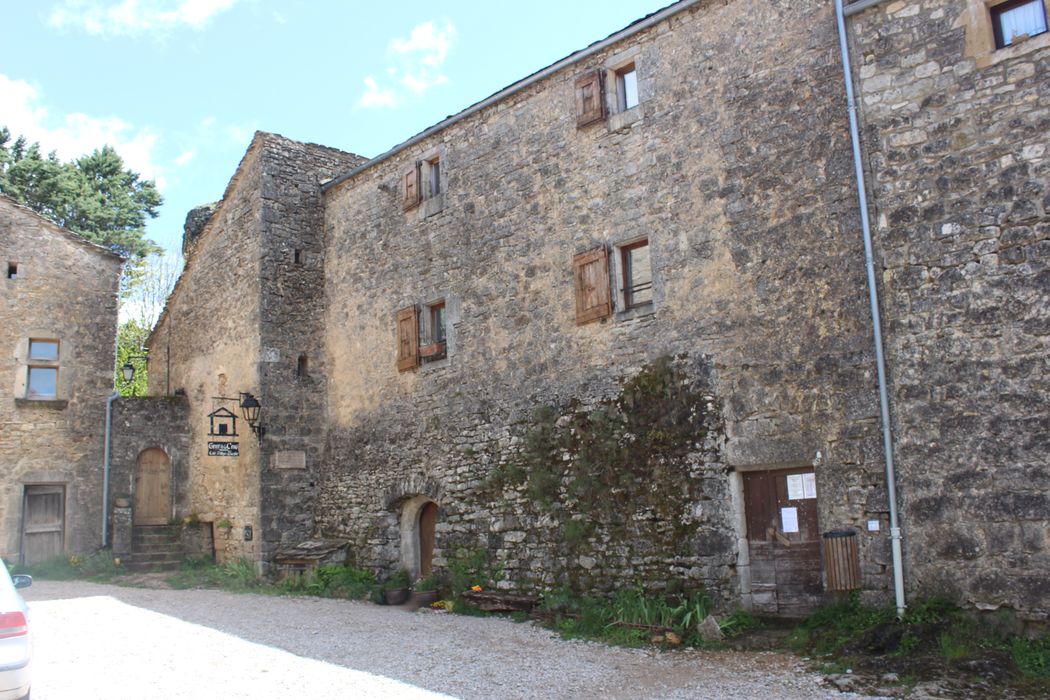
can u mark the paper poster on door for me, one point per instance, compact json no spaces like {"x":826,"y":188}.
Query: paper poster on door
{"x":789,"y":519}
{"x":796,"y":489}
{"x":809,"y":485}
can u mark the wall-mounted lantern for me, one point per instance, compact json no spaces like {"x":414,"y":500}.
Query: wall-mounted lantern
{"x":128,"y":369}
{"x":250,"y":409}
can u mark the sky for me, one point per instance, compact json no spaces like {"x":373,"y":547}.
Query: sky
{"x":179,"y":87}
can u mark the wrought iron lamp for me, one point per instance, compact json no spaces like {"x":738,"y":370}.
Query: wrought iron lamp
{"x":250,"y":410}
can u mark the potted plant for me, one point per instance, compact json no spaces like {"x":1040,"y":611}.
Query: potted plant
{"x":396,"y":588}
{"x":425,"y":591}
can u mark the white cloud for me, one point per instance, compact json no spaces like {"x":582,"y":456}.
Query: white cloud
{"x":185,"y":157}
{"x":419,"y":59}
{"x":131,"y":17}
{"x":77,"y":134}
{"x":375,"y":96}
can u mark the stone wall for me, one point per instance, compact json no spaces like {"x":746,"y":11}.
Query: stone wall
{"x":144,"y":422}
{"x":206,"y":345}
{"x":737,"y":167}
{"x":956,"y":140}
{"x":64,"y":289}
{"x":247,"y":307}
{"x":291,"y":331}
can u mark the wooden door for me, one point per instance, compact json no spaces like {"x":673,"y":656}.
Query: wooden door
{"x":783,"y":541}
{"x":43,"y":523}
{"x":152,"y":488}
{"x":427,"y":520}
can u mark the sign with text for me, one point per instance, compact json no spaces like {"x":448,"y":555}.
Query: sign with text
{"x":223,"y":449}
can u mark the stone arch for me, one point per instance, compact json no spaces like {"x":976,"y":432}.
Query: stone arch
{"x":418,"y":517}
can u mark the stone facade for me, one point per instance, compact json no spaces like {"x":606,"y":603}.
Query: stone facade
{"x":956,"y":139}
{"x":59,"y":291}
{"x":556,"y":434}
{"x":244,"y":310}
{"x":759,"y":296}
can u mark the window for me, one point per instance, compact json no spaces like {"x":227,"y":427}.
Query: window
{"x":626,"y":88}
{"x":42,"y":375}
{"x":422,"y":334}
{"x":1013,"y":20}
{"x":433,"y":176}
{"x":637,"y":274}
{"x":12,"y":271}
{"x":297,"y":256}
{"x":301,"y":367}
{"x":432,"y":332}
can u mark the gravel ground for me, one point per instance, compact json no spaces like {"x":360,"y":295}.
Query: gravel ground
{"x":97,"y":641}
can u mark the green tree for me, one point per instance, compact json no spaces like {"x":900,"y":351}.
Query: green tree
{"x":131,"y":337}
{"x":142,"y":301}
{"x":94,"y":195}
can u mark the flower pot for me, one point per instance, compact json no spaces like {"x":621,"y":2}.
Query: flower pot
{"x":422,"y":598}
{"x":396,"y":596}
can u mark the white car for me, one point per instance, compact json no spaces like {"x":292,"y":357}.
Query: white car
{"x":15,"y":643}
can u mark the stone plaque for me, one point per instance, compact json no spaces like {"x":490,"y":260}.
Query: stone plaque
{"x":289,"y":459}
{"x":223,"y":449}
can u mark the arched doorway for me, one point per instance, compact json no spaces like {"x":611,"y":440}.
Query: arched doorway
{"x":427,"y":520}
{"x":419,"y":516}
{"x":152,"y":488}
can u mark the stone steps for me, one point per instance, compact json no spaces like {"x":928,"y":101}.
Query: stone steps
{"x":154,"y":548}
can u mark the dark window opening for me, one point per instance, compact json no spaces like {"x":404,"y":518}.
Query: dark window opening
{"x":637,"y":274}
{"x":300,"y":367}
{"x":1020,"y":19}
{"x":12,"y":271}
{"x":432,"y":332}
{"x":298,"y":256}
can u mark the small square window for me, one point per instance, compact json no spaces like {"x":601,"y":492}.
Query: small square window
{"x":626,"y":87}
{"x":43,"y":350}
{"x":12,"y":271}
{"x":1013,"y":20}
{"x":637,"y":274}
{"x":43,"y":383}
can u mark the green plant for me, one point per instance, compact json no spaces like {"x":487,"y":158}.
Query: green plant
{"x":471,"y":567}
{"x":399,"y":579}
{"x":1032,"y":656}
{"x":224,"y":524}
{"x":430,"y":582}
{"x":738,"y":622}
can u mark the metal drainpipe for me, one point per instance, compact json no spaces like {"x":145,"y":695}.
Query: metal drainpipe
{"x":873,"y":297}
{"x":105,"y":467}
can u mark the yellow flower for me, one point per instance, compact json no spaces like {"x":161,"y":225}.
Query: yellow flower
{"x":116,"y":560}
{"x":475,"y":588}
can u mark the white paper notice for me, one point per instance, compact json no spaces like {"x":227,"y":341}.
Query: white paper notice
{"x":789,"y":519}
{"x":809,"y":485}
{"x":796,"y":488}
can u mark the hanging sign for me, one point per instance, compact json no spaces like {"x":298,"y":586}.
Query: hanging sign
{"x":223,"y":449}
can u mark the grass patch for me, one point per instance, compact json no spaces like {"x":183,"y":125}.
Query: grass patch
{"x":101,"y":566}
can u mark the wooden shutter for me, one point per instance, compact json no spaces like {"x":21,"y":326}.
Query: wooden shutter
{"x":593,"y":294}
{"x":407,"y":338}
{"x":590,"y":98}
{"x":410,"y":187}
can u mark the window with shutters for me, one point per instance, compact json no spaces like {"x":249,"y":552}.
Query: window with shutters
{"x":1016,"y":20}
{"x":424,"y":183}
{"x":426,"y":333}
{"x":590,"y":98}
{"x":591,"y":273}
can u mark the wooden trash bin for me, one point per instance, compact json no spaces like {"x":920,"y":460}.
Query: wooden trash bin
{"x":841,"y":560}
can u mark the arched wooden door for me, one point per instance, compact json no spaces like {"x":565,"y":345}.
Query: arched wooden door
{"x":427,"y":520}
{"x":152,"y":488}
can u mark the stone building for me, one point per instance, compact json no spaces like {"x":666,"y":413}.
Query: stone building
{"x":612,"y":323}
{"x":58,"y":324}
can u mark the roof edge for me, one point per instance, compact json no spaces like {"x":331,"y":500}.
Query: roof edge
{"x":628,"y":31}
{"x":72,"y":235}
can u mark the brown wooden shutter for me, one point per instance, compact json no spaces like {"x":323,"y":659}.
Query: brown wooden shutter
{"x":590,"y":98}
{"x":410,"y":187}
{"x":407,"y":338}
{"x":593,"y":294}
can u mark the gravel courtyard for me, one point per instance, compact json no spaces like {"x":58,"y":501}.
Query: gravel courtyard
{"x":98,"y":641}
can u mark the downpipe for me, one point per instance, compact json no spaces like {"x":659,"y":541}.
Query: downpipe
{"x":105,"y":467}
{"x":873,"y":298}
